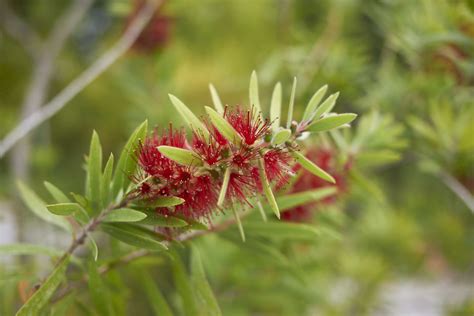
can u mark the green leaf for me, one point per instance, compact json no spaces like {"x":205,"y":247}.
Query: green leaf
{"x":99,"y":292}
{"x":223,"y":126}
{"x":313,"y":103}
{"x":93,"y":247}
{"x":41,"y":297}
{"x":135,"y":236}
{"x":239,"y":224}
{"x":267,"y":189}
{"x":326,"y":107}
{"x":66,"y":209}
{"x":57,"y":194}
{"x":253,"y":92}
{"x":223,"y":191}
{"x":312,"y":167}
{"x":181,"y":156}
{"x":183,"y":286}
{"x":275,"y":107}
{"x":292,"y":104}
{"x":163,"y":201}
{"x":38,"y":207}
{"x":29,"y":249}
{"x":156,"y":219}
{"x":289,"y":201}
{"x":124,"y":215}
{"x":205,"y":296}
{"x":282,"y":230}
{"x":127,"y":162}
{"x":216,"y":100}
{"x":196,"y":225}
{"x":157,"y":301}
{"x":94,"y":173}
{"x":330,"y":122}
{"x":281,"y":136}
{"x":188,"y":116}
{"x":106,"y":181}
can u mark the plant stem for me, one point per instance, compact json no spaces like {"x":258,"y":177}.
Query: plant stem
{"x":140,"y":253}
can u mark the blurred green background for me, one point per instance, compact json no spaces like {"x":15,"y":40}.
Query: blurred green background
{"x":404,"y":225}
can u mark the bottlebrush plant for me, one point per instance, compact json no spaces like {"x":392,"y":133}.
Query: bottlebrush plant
{"x":167,"y":188}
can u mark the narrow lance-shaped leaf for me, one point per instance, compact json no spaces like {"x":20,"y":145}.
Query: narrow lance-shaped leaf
{"x":188,"y":116}
{"x":156,"y":219}
{"x":282,"y":230}
{"x":223,"y":126}
{"x":312,"y":167}
{"x":225,"y":184}
{"x":38,"y":207}
{"x":203,"y":289}
{"x":326,"y":106}
{"x":314,"y":102}
{"x":66,"y":209}
{"x":124,"y":215}
{"x":183,"y":286}
{"x":157,"y":300}
{"x":94,"y":173}
{"x":330,"y":122}
{"x":106,"y":181}
{"x":99,"y":292}
{"x":281,"y":136}
{"x":292,"y":104}
{"x":261,"y":210}
{"x":181,"y":156}
{"x":275,"y":107}
{"x":41,"y":297}
{"x":239,"y":224}
{"x":165,"y":201}
{"x":134,"y":235}
{"x":93,"y":247}
{"x":127,"y":162}
{"x":216,"y":100}
{"x":56,"y":193}
{"x":253,"y":92}
{"x":267,"y":189}
{"x":289,"y":201}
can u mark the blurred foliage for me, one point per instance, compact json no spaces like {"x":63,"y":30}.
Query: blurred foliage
{"x":407,"y":67}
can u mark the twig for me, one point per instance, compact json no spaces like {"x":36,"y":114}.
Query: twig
{"x":84,"y":79}
{"x":458,"y":189}
{"x":140,"y":253}
{"x":19,"y":30}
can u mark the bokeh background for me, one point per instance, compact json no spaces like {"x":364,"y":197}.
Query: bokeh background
{"x":406,"y":221}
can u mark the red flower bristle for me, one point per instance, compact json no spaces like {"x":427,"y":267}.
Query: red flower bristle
{"x":241,"y":186}
{"x":278,"y":166}
{"x":248,"y":124}
{"x":209,"y":151}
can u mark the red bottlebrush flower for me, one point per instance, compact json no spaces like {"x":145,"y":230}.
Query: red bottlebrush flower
{"x":325,"y":159}
{"x":156,"y":32}
{"x":152,"y":161}
{"x":209,"y":151}
{"x":243,"y":157}
{"x":278,"y":166}
{"x":168,"y":178}
{"x":248,"y":124}
{"x":241,"y":186}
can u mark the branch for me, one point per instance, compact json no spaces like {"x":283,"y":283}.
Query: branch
{"x":458,"y":189}
{"x":19,"y":30}
{"x":140,"y":253}
{"x":76,"y":86}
